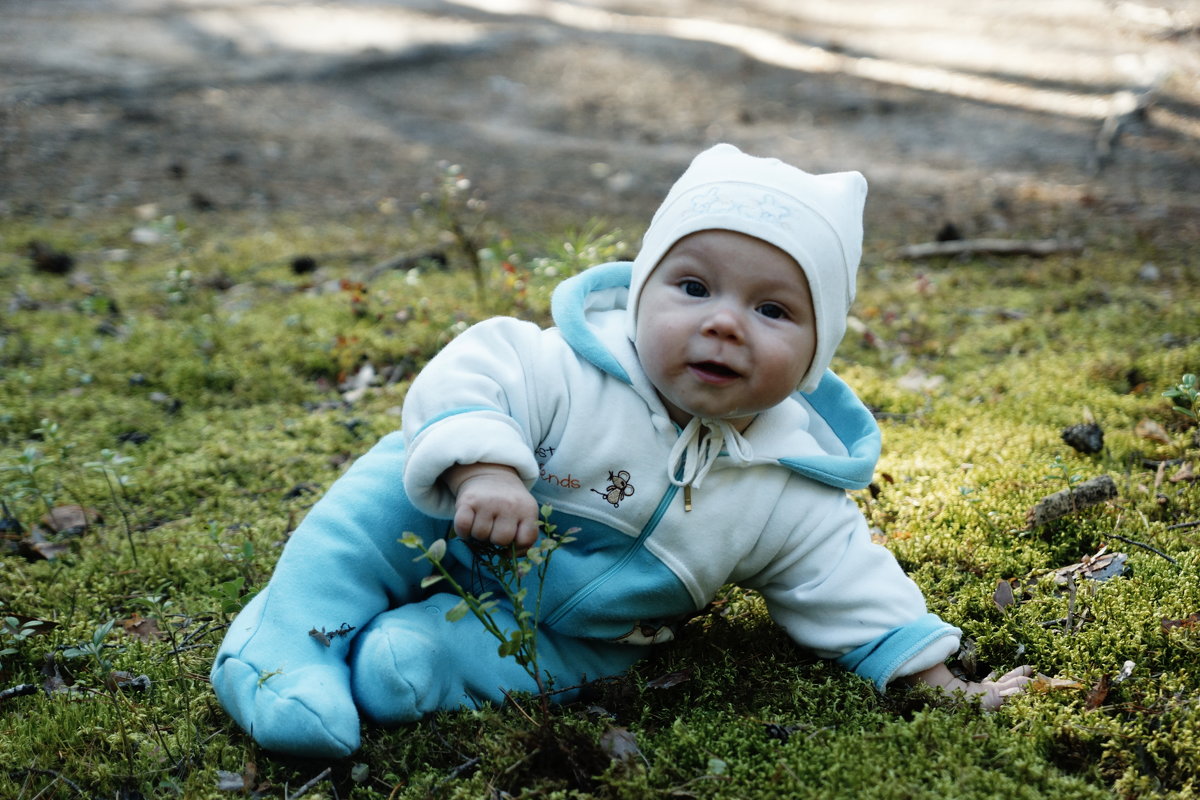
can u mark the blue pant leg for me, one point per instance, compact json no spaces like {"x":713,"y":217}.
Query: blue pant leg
{"x":411,"y":661}
{"x":341,"y":567}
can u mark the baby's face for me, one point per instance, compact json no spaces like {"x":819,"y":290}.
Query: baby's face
{"x":725,"y":327}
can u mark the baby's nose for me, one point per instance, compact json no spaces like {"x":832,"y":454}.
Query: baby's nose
{"x":724,"y":322}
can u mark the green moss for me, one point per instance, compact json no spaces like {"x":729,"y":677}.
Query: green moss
{"x":213,"y":368}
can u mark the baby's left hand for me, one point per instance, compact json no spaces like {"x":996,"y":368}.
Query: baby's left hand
{"x":991,"y":691}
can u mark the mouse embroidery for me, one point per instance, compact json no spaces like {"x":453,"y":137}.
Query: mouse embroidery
{"x":618,"y":488}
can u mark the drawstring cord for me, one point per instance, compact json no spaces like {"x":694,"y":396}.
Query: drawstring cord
{"x":697,"y":449}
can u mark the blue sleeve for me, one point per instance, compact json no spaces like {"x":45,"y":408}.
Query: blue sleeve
{"x":878,"y":660}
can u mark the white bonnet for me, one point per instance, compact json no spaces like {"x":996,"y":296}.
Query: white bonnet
{"x":816,"y":219}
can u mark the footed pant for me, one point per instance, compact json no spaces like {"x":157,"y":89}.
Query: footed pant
{"x":344,"y":626}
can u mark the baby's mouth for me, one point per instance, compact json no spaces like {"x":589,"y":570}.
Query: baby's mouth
{"x":713,"y":370}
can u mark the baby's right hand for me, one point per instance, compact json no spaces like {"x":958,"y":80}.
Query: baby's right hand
{"x":492,"y":505}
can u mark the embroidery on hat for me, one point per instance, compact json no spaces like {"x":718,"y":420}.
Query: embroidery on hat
{"x":766,"y":208}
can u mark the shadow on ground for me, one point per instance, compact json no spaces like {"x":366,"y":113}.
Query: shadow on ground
{"x":1018,"y":120}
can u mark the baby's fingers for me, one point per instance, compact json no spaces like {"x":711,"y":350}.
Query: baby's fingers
{"x":1019,"y":676}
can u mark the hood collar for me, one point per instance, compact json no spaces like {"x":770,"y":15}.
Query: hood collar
{"x":827,"y":434}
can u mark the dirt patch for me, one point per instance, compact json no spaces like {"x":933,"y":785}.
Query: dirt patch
{"x":561,"y":111}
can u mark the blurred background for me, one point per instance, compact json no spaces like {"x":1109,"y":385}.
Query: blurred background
{"x":1003,"y":117}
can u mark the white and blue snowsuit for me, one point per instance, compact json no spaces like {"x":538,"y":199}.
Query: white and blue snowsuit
{"x":569,"y":409}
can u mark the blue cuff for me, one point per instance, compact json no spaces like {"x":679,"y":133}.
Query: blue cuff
{"x":878,"y":660}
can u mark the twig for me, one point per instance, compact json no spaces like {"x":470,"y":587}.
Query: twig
{"x":999,"y":247}
{"x":303,"y":790}
{"x":1070,"y":603}
{"x":508,"y":696}
{"x":1184,"y":525}
{"x":470,"y":763}
{"x":1154,"y":550}
{"x":58,"y":776}
{"x":20,"y":690}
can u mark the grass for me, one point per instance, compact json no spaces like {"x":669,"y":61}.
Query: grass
{"x":186,"y":389}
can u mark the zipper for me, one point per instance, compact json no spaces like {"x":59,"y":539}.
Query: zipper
{"x":571,"y":603}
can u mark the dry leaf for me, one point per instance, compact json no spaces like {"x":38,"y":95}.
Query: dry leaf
{"x":1003,"y":595}
{"x":120,"y":679}
{"x":230,"y":782}
{"x":1043,"y":683}
{"x":72,"y":519}
{"x":669,"y":680}
{"x":620,"y":745}
{"x":1149,"y":429}
{"x":1099,"y":567}
{"x":58,"y":679}
{"x":1098,"y":694}
{"x":1187,"y":622}
{"x":142,"y":628}
{"x":1184,"y":473}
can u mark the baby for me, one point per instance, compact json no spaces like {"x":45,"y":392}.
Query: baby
{"x":680,"y":414}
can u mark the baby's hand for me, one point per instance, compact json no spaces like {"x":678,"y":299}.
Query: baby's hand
{"x":991,"y":691}
{"x":492,"y":505}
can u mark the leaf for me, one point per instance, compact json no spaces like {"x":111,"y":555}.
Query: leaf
{"x":430,"y":580}
{"x":620,"y":745}
{"x":1187,"y":623}
{"x":717,"y":767}
{"x":436,"y":550}
{"x":71,"y":520}
{"x":1003,"y":596}
{"x":1043,"y":684}
{"x":669,"y":680}
{"x":230,"y":781}
{"x":458,"y":612}
{"x":1099,"y":567}
{"x":142,"y":628}
{"x":1149,"y":429}
{"x":120,"y":679}
{"x":1184,"y":473}
{"x":1098,"y":694}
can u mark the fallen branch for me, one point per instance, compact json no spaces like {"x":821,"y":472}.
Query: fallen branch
{"x":999,"y":247}
{"x":1068,"y":501}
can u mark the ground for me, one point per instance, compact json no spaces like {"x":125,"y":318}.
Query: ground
{"x":989,"y":115}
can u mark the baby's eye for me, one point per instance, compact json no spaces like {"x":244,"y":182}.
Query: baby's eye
{"x":693,"y":288}
{"x":772,"y":311}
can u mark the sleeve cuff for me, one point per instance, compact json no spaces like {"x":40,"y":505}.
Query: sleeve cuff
{"x":471,"y":436}
{"x":920,"y":644}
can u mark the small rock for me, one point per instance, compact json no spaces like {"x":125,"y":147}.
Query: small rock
{"x":1085,"y":437}
{"x":48,"y":260}
{"x":303,"y":265}
{"x":948,"y":233}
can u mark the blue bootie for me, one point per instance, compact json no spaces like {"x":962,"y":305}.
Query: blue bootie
{"x":282,"y":670}
{"x":411,"y":661}
{"x":297,"y":702}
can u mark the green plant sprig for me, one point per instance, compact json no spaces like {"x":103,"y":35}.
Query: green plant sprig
{"x":510,"y":569}
{"x":1186,"y":396}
